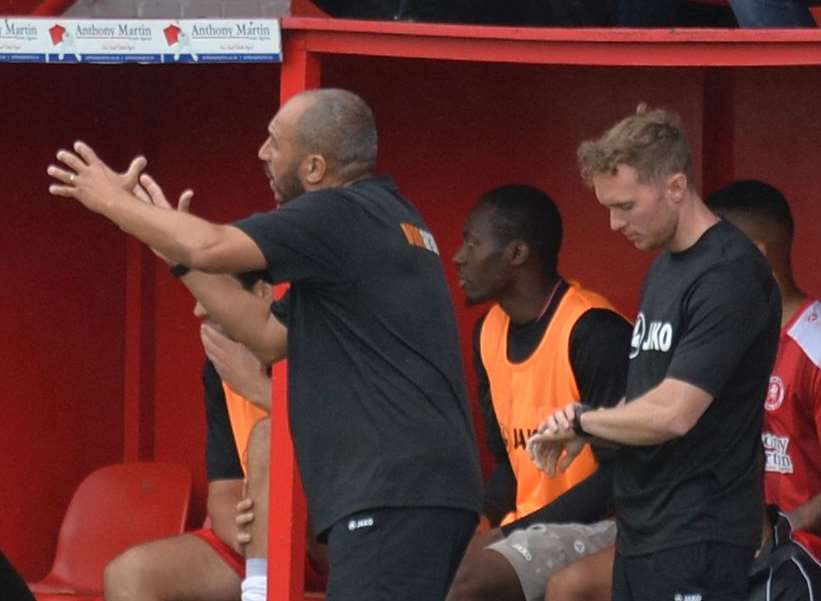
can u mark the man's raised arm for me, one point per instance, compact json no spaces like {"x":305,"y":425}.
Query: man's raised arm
{"x":177,"y":235}
{"x":179,"y":238}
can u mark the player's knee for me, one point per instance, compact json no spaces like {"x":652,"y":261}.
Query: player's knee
{"x":572,"y":583}
{"x":474,"y":581}
{"x":463,"y":587}
{"x":258,"y":444}
{"x":125,"y":577}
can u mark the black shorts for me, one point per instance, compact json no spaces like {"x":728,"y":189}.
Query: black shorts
{"x":699,"y":572}
{"x":397,"y":553}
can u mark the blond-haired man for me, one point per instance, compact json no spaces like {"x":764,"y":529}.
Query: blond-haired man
{"x":688,"y":473}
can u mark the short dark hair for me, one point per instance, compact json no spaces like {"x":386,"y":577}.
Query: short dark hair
{"x":753,"y":199}
{"x":340,"y":126}
{"x":527,"y":213}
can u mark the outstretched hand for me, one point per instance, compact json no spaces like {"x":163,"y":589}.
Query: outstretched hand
{"x":83,"y":176}
{"x":149,"y":191}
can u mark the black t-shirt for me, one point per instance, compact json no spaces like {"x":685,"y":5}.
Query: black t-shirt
{"x":597,"y":344}
{"x":378,"y":408}
{"x":709,"y":316}
{"x":221,"y":457}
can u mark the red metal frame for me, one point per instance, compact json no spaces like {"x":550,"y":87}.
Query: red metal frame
{"x":287,"y":514}
{"x":138,"y":370}
{"x":286,"y":531}
{"x":606,"y":47}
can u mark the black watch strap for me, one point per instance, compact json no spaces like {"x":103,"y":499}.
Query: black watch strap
{"x":580,"y":409}
{"x":178,"y":270}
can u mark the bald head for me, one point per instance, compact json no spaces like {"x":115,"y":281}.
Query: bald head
{"x":757,"y":208}
{"x":338,"y":125}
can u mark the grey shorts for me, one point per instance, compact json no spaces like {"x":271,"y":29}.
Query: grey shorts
{"x":541,"y":549}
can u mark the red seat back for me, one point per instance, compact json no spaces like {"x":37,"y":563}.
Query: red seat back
{"x":114,"y":508}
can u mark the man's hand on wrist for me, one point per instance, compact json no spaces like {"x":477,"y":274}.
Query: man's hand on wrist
{"x":579,"y":410}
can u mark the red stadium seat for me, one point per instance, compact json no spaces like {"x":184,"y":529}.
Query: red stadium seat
{"x":113,"y":508}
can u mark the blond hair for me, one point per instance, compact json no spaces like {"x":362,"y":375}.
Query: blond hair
{"x":652,"y":142}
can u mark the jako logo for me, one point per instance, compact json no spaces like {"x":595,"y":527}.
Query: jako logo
{"x":655,"y":336}
{"x":356,"y":524}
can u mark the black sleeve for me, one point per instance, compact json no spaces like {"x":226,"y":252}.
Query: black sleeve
{"x":589,"y":501}
{"x":221,"y":457}
{"x":723,"y":314}
{"x":307,"y":240}
{"x":599,"y":349}
{"x":500,"y":488}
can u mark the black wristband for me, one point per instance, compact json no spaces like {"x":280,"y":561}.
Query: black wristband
{"x":178,"y":270}
{"x":580,"y":410}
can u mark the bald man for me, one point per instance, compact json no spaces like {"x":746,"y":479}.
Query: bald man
{"x":378,"y":410}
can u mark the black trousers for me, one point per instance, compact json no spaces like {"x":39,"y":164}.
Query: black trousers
{"x":699,"y":572}
{"x":397,"y":554}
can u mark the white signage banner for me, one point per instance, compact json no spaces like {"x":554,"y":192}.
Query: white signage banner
{"x":58,"y":40}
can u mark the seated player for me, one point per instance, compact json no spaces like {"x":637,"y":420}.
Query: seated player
{"x":788,"y":566}
{"x":208,"y":565}
{"x":545,"y":342}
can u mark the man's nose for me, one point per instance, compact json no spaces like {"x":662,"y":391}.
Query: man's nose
{"x":263,"y":151}
{"x":615,"y":223}
{"x":200,"y":311}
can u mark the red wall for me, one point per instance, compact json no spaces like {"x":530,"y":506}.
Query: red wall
{"x":63,"y":310}
{"x":449,"y":131}
{"x":778,"y":137}
{"x":61,"y":314}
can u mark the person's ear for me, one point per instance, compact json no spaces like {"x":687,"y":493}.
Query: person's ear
{"x":677,"y":187}
{"x":314,"y":169}
{"x":519,"y":252}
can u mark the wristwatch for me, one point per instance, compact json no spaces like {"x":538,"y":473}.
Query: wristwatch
{"x":580,"y":409}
